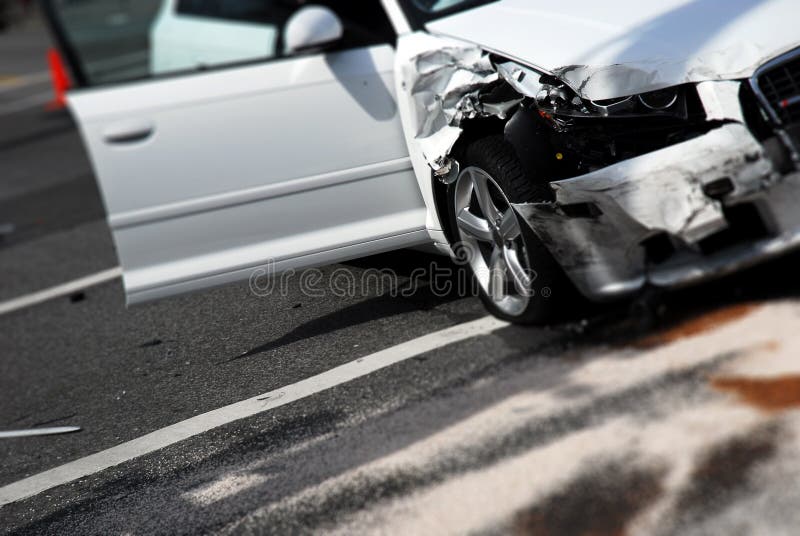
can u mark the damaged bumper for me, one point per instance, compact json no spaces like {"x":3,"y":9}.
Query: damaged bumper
{"x":692,"y":211}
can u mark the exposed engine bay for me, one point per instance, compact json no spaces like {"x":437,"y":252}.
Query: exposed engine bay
{"x":662,"y":187}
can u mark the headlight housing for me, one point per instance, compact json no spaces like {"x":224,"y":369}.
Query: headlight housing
{"x":558,"y":99}
{"x":554,"y":97}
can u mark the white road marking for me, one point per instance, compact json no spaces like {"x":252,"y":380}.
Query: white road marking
{"x":64,"y":289}
{"x":199,"y":424}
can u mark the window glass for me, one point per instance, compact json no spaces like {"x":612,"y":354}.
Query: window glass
{"x":239,"y":10}
{"x":112,"y":41}
{"x":434,"y":6}
{"x":420,"y":11}
{"x":111,"y":38}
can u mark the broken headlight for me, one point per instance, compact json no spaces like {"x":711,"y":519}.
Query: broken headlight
{"x":558,"y":99}
{"x":554,"y":97}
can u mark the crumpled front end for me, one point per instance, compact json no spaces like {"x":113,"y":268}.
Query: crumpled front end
{"x":663,"y":188}
{"x":691,"y":211}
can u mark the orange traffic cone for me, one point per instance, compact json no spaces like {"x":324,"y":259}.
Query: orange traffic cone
{"x":60,"y":79}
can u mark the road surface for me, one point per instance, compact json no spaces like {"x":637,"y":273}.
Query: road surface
{"x":227,"y":412}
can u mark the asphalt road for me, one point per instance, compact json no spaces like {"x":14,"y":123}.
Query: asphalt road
{"x":672,"y":415}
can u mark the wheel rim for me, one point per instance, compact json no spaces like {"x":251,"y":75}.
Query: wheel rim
{"x":490,"y":231}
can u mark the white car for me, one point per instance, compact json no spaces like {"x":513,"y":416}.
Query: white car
{"x":597,"y":147}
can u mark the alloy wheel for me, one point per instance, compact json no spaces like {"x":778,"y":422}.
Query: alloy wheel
{"x":493,"y":241}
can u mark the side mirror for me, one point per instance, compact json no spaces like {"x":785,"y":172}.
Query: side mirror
{"x":312,"y":27}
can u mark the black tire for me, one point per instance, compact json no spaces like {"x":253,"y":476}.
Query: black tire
{"x":554,"y":294}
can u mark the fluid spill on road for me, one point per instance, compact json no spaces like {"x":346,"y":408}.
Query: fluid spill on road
{"x":697,"y":325}
{"x":768,"y":394}
{"x":601,"y":502}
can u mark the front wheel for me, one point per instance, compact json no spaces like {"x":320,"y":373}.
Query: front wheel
{"x":517,"y":278}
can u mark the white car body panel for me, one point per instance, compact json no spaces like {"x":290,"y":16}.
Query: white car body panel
{"x":317,"y":159}
{"x":604,"y":51}
{"x":181,"y":42}
{"x":197,"y":203}
{"x":409,"y":46}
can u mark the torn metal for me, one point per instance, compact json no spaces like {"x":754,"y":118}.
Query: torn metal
{"x":666,"y":195}
{"x":675,"y":189}
{"x":611,"y":51}
{"x":447,"y":88}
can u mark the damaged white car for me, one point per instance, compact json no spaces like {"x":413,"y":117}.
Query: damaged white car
{"x":575,"y":149}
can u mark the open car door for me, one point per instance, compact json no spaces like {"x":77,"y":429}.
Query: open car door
{"x":207,"y":174}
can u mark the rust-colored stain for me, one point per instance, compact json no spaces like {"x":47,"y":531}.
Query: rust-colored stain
{"x":769,"y":394}
{"x":697,"y":325}
{"x":771,"y":346}
{"x":600,"y":502}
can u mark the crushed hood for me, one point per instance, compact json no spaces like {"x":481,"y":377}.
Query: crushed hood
{"x":605,"y":50}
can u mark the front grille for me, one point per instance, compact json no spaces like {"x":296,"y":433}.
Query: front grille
{"x":781,"y":88}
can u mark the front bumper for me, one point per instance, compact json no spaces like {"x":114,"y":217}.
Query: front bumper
{"x":654,"y":220}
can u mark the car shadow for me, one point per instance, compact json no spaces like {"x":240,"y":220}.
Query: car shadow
{"x":422,"y":296}
{"x":357,"y":72}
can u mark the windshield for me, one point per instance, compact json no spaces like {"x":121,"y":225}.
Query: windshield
{"x":435,"y":6}
{"x":425,"y":10}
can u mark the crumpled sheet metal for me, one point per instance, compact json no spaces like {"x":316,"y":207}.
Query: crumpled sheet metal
{"x":664,"y":190}
{"x":523,"y":79}
{"x":658,"y":192}
{"x":631,"y":74}
{"x":614,"y":49}
{"x":446,"y":89}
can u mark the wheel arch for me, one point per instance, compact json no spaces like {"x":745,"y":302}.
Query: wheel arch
{"x":519,"y":130}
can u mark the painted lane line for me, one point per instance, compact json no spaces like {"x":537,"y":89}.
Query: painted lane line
{"x":59,"y":291}
{"x":199,"y":424}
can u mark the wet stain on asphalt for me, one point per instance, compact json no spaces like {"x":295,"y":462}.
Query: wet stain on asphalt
{"x":725,"y":471}
{"x":768,"y":394}
{"x":697,"y":325}
{"x":600,"y":502}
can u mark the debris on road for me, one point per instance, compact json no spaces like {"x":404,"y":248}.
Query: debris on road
{"x":35,"y":432}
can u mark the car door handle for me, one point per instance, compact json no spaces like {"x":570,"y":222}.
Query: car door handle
{"x":129,"y":131}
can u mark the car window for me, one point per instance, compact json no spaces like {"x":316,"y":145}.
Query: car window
{"x":434,"y":6}
{"x":241,"y":10}
{"x":113,"y":41}
{"x":421,"y":11}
